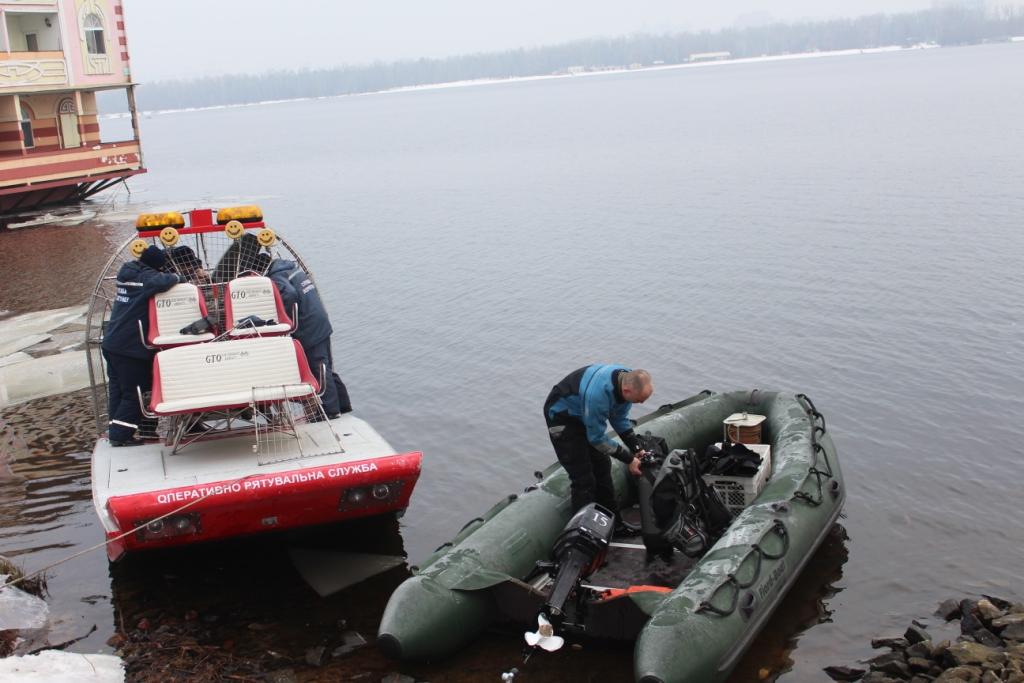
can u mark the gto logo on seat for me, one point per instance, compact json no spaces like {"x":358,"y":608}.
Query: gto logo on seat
{"x":225,"y":357}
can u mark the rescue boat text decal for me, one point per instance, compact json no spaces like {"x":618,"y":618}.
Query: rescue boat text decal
{"x":266,"y":482}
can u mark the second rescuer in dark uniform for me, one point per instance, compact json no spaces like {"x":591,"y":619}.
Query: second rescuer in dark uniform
{"x":313,"y":330}
{"x":129,"y":362}
{"x":578,"y":410}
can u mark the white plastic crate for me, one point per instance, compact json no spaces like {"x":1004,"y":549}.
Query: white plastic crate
{"x":739,"y":492}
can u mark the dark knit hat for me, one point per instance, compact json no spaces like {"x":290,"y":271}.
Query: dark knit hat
{"x":154,"y":257}
{"x":184,"y":257}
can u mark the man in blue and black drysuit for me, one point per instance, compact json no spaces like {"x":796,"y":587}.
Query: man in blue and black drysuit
{"x":578,"y":411}
{"x":129,"y":362}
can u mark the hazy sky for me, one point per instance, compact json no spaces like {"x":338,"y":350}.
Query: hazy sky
{"x":189,"y":38}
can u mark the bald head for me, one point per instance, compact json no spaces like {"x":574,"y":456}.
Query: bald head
{"x":636,"y":385}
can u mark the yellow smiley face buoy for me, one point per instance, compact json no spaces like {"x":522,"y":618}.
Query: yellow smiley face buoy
{"x":234,"y":229}
{"x":266,"y":237}
{"x":137,"y":247}
{"x":169,"y":236}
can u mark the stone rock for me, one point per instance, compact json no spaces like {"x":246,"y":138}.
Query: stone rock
{"x":919,"y":664}
{"x":963,"y":654}
{"x":939,"y":650}
{"x":1013,"y":632}
{"x":988,"y":611}
{"x":989,"y":677}
{"x":894,"y":643}
{"x":969,"y":624}
{"x":986,"y":637}
{"x":878,"y":677}
{"x":315,"y":655}
{"x":921,"y":679}
{"x":960,"y":674}
{"x":948,"y":609}
{"x":892,"y":663}
{"x":916,"y":634}
{"x":395,"y":677}
{"x":350,"y":641}
{"x":999,"y":602}
{"x":844,"y":673}
{"x":281,"y":676}
{"x":1008,"y":620}
{"x":922,"y":650}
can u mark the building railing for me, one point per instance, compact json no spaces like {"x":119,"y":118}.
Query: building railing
{"x":32,"y":70}
{"x":41,"y":167}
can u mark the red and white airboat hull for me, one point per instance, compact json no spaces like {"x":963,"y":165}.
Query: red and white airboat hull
{"x":242,"y":443}
{"x":217,"y":489}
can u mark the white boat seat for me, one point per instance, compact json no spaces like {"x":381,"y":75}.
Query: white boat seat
{"x":170,"y":311}
{"x":254,"y":295}
{"x":230,"y":374}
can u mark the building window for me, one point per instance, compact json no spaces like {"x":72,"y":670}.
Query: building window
{"x":31,"y":42}
{"x":26,"y":127}
{"x":94,"y":35}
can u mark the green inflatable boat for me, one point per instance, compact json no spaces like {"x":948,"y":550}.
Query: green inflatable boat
{"x":691,"y":617}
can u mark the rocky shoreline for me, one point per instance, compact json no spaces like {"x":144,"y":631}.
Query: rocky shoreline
{"x":989,"y":649}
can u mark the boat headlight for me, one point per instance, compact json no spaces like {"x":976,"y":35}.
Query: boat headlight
{"x":244,"y":214}
{"x":353,"y":498}
{"x":155,"y":221}
{"x":375,"y":495}
{"x":168,"y":527}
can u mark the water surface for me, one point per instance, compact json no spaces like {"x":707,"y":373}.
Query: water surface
{"x":845,"y":227}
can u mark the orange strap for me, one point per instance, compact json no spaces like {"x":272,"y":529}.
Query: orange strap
{"x":613,"y":593}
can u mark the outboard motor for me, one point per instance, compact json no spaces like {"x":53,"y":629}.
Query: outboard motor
{"x":578,"y":552}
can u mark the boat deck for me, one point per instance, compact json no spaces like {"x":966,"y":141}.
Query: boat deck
{"x":626,"y":566}
{"x":154,"y":466}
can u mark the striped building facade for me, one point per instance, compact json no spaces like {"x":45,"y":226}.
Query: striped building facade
{"x":55,"y":55}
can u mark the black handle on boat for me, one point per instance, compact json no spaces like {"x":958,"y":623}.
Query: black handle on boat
{"x":811,"y":409}
{"x":730,"y":580}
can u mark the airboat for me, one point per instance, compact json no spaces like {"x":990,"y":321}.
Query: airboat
{"x":237,"y":441}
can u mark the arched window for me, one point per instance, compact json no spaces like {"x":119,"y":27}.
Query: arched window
{"x":93,"y":26}
{"x":26,"y":127}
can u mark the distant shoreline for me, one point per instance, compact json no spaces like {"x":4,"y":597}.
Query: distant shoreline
{"x":543,"y":77}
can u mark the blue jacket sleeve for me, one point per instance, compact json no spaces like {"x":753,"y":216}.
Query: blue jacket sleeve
{"x":154,"y":282}
{"x":289,"y":295}
{"x":597,"y":412}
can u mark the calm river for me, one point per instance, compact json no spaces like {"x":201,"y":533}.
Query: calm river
{"x":848,"y":227}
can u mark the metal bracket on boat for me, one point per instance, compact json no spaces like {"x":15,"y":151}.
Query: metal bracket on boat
{"x":761,"y":554}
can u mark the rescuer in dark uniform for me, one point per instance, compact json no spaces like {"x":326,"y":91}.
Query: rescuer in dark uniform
{"x":578,"y":411}
{"x":129,"y":362}
{"x":313,"y":330}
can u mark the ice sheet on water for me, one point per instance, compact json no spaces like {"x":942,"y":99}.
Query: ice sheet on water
{"x":51,"y":666}
{"x":20,"y":611}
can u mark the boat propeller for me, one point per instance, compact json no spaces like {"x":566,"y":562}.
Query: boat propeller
{"x":544,"y":637}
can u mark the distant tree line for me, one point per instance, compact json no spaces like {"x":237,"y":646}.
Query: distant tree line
{"x":947,"y":25}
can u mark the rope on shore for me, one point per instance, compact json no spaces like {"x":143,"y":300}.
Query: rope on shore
{"x":104,"y":544}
